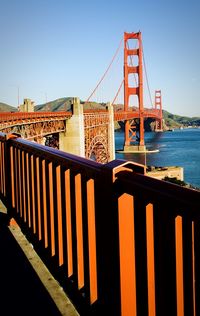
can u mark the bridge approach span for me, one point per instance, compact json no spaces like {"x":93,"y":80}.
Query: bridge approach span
{"x":87,"y":133}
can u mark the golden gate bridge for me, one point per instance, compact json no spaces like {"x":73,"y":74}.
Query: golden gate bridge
{"x":119,"y":242}
{"x":96,"y":130}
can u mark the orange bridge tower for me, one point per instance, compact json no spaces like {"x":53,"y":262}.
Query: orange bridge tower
{"x":158,"y":106}
{"x":133,"y":87}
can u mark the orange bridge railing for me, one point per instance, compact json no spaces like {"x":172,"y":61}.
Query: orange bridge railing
{"x":117,"y":240}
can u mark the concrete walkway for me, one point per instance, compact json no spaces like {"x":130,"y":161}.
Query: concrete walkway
{"x":26,"y":286}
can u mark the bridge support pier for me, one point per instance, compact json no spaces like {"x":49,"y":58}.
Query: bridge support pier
{"x":72,"y":140}
{"x":134,"y":148}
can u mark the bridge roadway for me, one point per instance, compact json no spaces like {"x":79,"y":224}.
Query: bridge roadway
{"x":22,"y":118}
{"x":86,"y":133}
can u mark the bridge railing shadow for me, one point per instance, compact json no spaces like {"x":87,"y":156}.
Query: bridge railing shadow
{"x":22,"y":292}
{"x":118,"y":241}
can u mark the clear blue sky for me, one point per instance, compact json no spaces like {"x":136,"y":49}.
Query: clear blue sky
{"x":57,"y":48}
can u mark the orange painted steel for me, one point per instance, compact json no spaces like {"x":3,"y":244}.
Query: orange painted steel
{"x":79,"y":231}
{"x":35,"y":126}
{"x":2,"y":169}
{"x":92,"y":241}
{"x":132,"y":114}
{"x":68,"y":223}
{"x":19,"y":167}
{"x":12,"y":176}
{"x":137,"y":89}
{"x":38,"y":206}
{"x":150,"y":259}
{"x":44,"y":189}
{"x":118,"y":241}
{"x":59,"y":216}
{"x":194,"y":297}
{"x":179,"y":266}
{"x":21,"y":116}
{"x":28,"y":190}
{"x":127,"y":255}
{"x":16,"y":184}
{"x":34,"y":201}
{"x":158,"y":106}
{"x":51,"y":206}
{"x":96,"y":127}
{"x":23,"y":188}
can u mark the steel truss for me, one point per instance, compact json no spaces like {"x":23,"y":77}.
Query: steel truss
{"x":36,"y":130}
{"x":96,"y":127}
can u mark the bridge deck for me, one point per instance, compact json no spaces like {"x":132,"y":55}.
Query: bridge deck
{"x":22,"y":291}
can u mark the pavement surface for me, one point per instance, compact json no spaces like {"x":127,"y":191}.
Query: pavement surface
{"x":27,"y":289}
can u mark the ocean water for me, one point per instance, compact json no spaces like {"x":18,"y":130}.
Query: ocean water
{"x":177,"y":148}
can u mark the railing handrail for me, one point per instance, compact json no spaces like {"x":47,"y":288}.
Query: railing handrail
{"x":160,"y":189}
{"x":54,"y":153}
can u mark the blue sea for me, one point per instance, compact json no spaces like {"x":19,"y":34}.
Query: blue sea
{"x":176,"y":148}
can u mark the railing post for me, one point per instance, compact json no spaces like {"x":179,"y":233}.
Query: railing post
{"x":8,"y":173}
{"x":2,"y":167}
{"x":107,"y":238}
{"x":107,"y":242}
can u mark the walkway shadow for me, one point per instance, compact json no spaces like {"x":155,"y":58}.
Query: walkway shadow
{"x":22,"y":292}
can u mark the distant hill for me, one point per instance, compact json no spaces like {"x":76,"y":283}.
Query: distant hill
{"x":7,"y":108}
{"x":173,"y":120}
{"x":64,"y":104}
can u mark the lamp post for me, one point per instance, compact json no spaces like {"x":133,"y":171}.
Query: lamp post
{"x":17,"y":95}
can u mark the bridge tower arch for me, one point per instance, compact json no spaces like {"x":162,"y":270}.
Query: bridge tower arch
{"x":135,"y":89}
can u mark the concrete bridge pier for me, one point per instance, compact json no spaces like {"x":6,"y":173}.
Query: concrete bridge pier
{"x":72,"y":140}
{"x":40,"y":140}
{"x":134,"y":148}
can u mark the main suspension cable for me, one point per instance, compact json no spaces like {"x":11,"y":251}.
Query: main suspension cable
{"x":102,"y":78}
{"x":118,"y":91}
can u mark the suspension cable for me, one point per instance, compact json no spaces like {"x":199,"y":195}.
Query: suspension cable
{"x":118,"y":91}
{"x":147,"y":77}
{"x":102,"y":78}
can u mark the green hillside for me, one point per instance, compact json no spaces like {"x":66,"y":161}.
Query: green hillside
{"x":62,"y":104}
{"x":7,"y":108}
{"x":173,"y":120}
